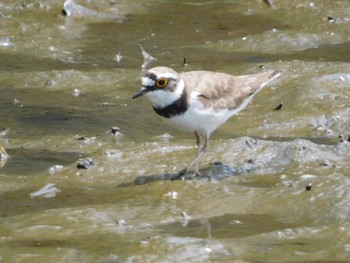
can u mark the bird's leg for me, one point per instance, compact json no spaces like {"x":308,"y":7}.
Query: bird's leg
{"x":200,"y":151}
{"x":198,"y":142}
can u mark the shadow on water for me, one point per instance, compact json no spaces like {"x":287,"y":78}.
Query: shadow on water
{"x":216,"y":171}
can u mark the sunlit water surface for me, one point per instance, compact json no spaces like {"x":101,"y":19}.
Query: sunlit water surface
{"x":279,"y":189}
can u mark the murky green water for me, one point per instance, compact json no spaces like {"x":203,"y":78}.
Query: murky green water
{"x":62,"y":92}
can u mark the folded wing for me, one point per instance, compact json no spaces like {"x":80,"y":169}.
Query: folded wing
{"x":224,"y":91}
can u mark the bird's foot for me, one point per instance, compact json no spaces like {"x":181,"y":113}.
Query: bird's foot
{"x":185,"y":174}
{"x":179,"y":176}
{"x":193,"y":175}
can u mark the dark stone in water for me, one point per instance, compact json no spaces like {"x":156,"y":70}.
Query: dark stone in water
{"x":344,"y":138}
{"x":250,"y":161}
{"x":114,"y":130}
{"x":85,"y":163}
{"x":279,"y":106}
{"x":308,"y":187}
{"x":331,"y":19}
{"x":216,"y":171}
{"x":325,"y":163}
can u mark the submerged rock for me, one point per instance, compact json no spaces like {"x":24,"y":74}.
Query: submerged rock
{"x":308,"y":187}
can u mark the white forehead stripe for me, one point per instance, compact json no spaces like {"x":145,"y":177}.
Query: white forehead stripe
{"x":147,"y":82}
{"x":167,"y":75}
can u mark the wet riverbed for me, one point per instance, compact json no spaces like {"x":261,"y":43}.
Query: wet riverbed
{"x":280,"y":175}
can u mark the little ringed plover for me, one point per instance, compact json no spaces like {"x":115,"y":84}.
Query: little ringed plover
{"x":200,"y":101}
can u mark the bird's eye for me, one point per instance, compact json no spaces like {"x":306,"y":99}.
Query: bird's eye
{"x":162,"y":82}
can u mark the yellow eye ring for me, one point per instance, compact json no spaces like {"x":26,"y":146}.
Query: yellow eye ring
{"x":162,"y":82}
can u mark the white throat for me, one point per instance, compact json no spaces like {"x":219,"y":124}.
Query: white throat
{"x":163,"y":97}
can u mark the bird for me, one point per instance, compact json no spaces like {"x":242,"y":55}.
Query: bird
{"x":199,"y":101}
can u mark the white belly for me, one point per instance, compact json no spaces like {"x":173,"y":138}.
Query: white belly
{"x":204,"y":121}
{"x":201,"y":119}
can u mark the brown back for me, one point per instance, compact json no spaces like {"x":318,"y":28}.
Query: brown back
{"x":222,"y":91}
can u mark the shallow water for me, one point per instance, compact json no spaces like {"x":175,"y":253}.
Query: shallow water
{"x":279,"y":178}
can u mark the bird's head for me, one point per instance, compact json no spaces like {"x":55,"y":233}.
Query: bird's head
{"x":162,"y":86}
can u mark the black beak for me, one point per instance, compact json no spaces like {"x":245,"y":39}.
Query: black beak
{"x":139,"y":93}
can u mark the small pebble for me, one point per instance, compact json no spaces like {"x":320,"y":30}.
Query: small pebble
{"x":344,"y":138}
{"x":326,"y":163}
{"x":85,"y":163}
{"x":118,"y":57}
{"x":308,"y":187}
{"x":250,"y":161}
{"x":279,"y":106}
{"x":184,"y":62}
{"x":330,"y":19}
{"x":114,"y":130}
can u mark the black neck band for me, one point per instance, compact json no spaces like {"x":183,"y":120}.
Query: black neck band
{"x":178,"y":107}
